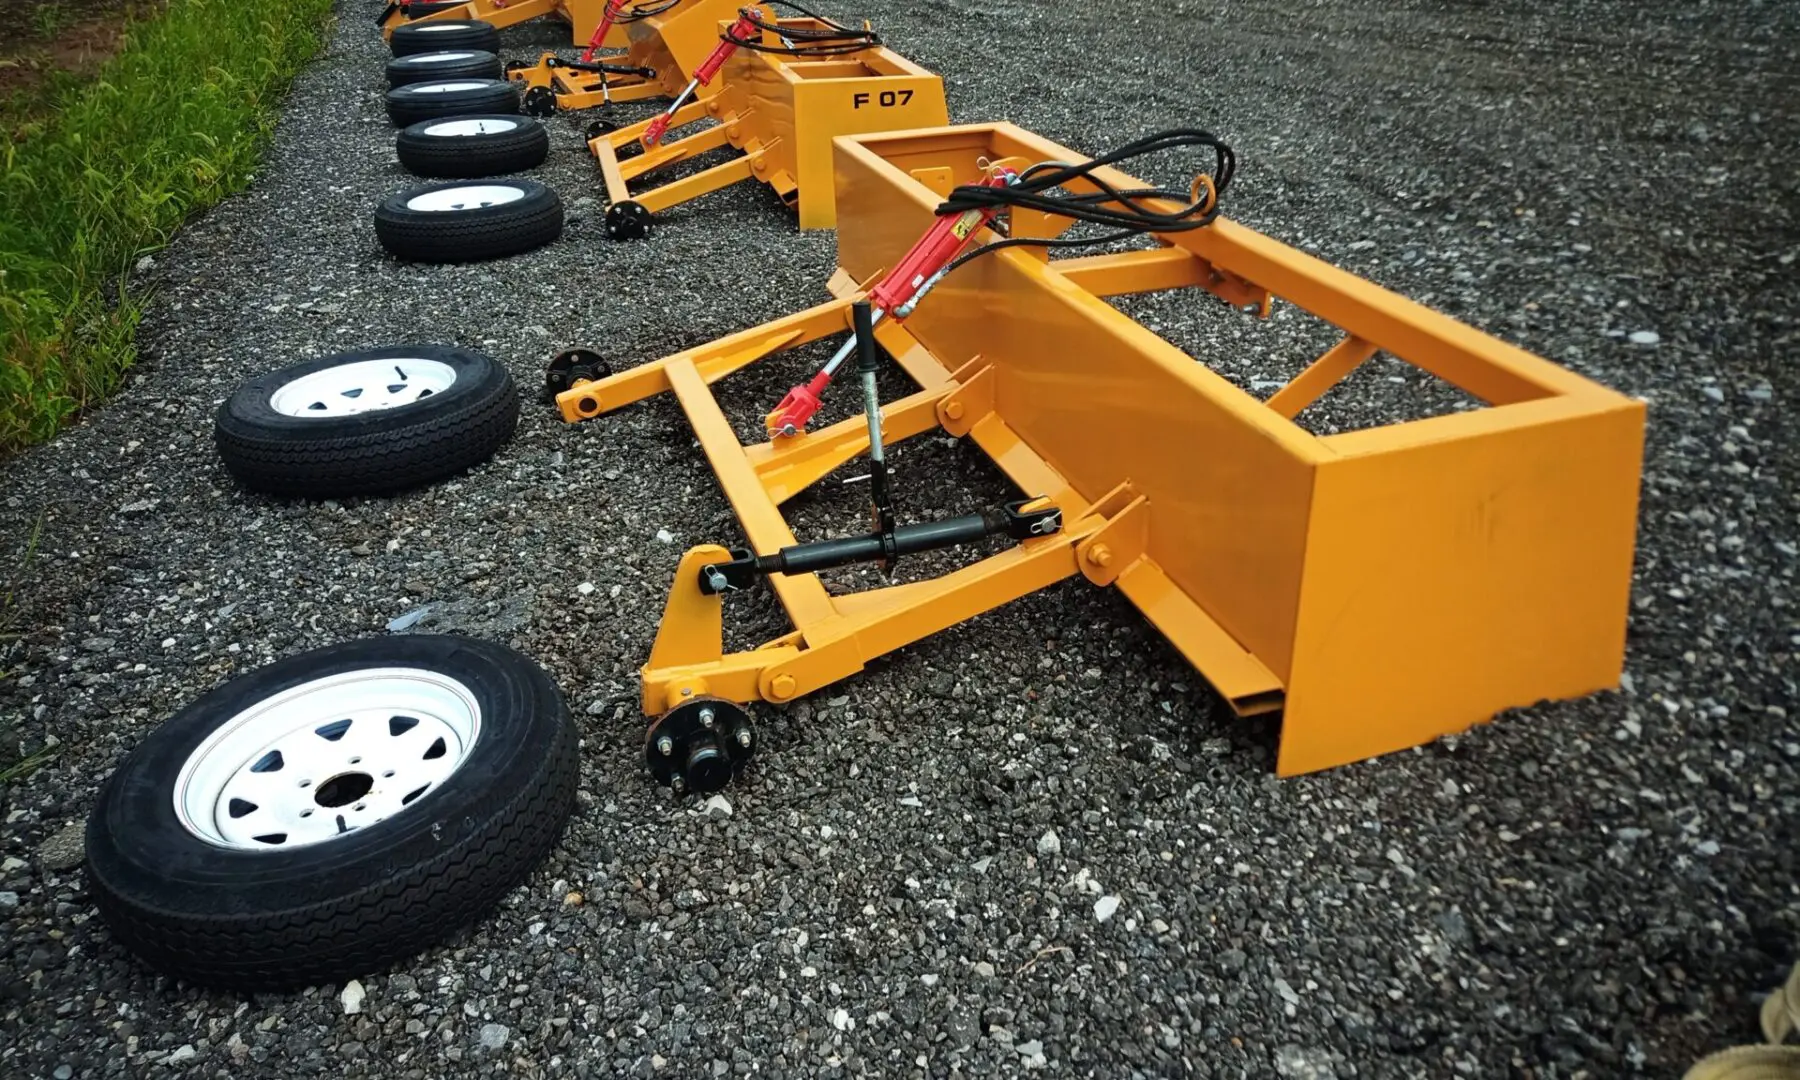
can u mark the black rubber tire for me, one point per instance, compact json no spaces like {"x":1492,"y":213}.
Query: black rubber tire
{"x":409,"y":104}
{"x":428,"y":7}
{"x":373,"y":453}
{"x":472,"y":234}
{"x":443,"y":65}
{"x":412,"y":38}
{"x":343,"y":908}
{"x":521,"y":144}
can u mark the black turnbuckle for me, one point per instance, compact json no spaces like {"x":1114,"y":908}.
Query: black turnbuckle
{"x":602,"y":69}
{"x":1021,"y":520}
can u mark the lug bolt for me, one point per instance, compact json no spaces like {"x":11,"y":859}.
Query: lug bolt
{"x":665,"y":746}
{"x":706,"y":718}
{"x":677,"y":784}
{"x":744,"y":738}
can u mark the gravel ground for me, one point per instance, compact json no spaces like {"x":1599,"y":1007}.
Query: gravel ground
{"x":908,"y":883}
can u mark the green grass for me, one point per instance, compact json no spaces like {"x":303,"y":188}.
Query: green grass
{"x":107,"y":169}
{"x":25,"y":766}
{"x":46,"y":20}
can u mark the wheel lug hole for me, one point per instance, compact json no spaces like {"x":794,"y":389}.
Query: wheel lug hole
{"x":356,"y":761}
{"x":389,"y":773}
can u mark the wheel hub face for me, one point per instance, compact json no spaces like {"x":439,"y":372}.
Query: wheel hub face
{"x":699,"y":745}
{"x":465,"y":197}
{"x":362,"y":386}
{"x":321,"y":760}
{"x":451,"y":129}
{"x":627,"y":221}
{"x":572,"y":365}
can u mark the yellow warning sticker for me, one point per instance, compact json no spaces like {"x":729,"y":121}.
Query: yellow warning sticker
{"x":966,"y":224}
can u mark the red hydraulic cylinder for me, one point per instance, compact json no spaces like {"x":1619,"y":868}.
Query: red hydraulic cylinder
{"x":614,"y":9}
{"x":897,"y":295}
{"x":741,"y":30}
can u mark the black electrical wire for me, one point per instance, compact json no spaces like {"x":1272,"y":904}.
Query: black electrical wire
{"x":1122,"y":210}
{"x":639,"y":13}
{"x":833,"y":39}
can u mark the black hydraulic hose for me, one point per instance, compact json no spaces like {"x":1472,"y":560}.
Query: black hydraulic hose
{"x":835,"y":39}
{"x":1124,"y":211}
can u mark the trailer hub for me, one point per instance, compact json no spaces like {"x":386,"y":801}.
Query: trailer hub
{"x":700,"y":745}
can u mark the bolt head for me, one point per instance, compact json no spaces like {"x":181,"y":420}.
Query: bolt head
{"x":954,"y":410}
{"x":783,"y":687}
{"x":677,"y":784}
{"x":1100,"y":555}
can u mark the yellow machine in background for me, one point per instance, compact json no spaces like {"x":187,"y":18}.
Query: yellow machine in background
{"x":664,"y":45}
{"x":583,"y":16}
{"x":1377,"y":588}
{"x":779,"y":109}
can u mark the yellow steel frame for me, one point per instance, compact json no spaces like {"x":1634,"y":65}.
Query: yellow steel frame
{"x":782,"y":112}
{"x":1379,"y":587}
{"x":583,"y":17}
{"x":673,"y":44}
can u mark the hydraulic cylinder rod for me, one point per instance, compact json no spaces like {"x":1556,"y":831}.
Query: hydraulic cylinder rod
{"x":703,"y":75}
{"x":897,"y":294}
{"x":614,"y":10}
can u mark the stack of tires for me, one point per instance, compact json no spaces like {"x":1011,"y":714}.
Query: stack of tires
{"x":459,"y":122}
{"x":322,"y":817}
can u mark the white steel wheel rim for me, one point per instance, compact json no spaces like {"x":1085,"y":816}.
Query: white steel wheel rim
{"x":362,"y":386}
{"x":465,"y":197}
{"x":452,"y":129}
{"x":437,"y":57}
{"x":436,"y":26}
{"x":445,"y":87}
{"x":324,"y":759}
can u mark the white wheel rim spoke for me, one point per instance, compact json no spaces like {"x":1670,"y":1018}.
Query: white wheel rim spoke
{"x":465,"y":197}
{"x":362,"y":386}
{"x":444,"y":87}
{"x":327,"y":758}
{"x":461,"y":128}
